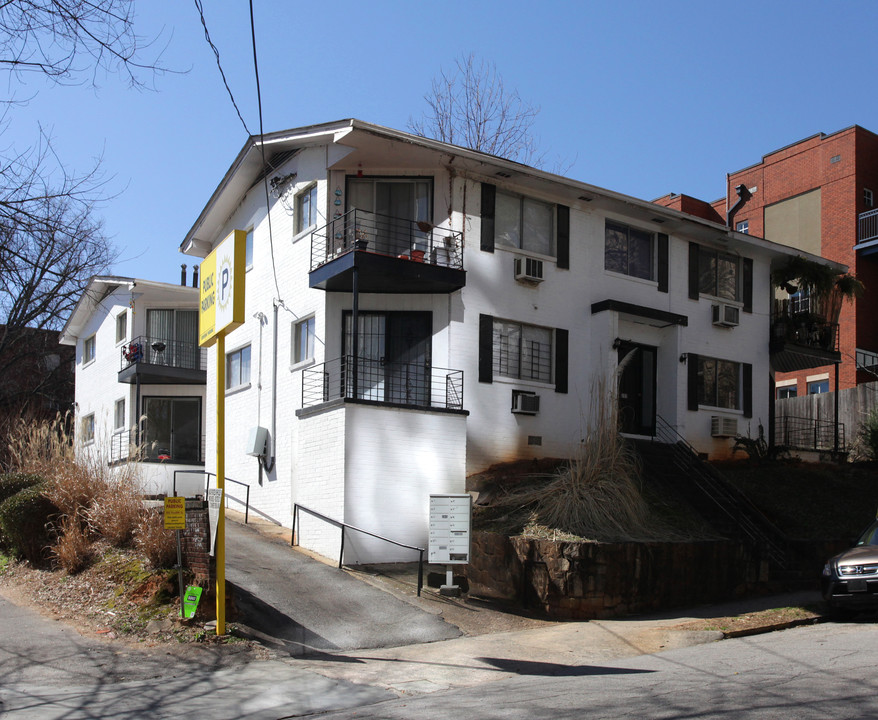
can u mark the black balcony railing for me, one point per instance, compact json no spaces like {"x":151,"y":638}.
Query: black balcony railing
{"x":802,"y":433}
{"x":178,"y":448}
{"x":807,"y":329}
{"x":165,"y":353}
{"x":406,"y":384}
{"x":417,"y":241}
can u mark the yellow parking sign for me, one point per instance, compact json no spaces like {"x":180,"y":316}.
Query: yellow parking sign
{"x":175,"y":513}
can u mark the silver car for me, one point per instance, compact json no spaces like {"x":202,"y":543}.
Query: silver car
{"x":850,"y":579}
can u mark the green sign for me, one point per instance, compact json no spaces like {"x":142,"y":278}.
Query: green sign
{"x":190,"y":601}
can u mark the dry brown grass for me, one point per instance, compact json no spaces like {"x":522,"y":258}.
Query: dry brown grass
{"x":154,"y":542}
{"x":597,"y":494}
{"x":93,"y":500}
{"x":116,"y":510}
{"x":72,"y":550}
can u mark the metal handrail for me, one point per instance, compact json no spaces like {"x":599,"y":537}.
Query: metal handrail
{"x":343,"y":526}
{"x":207,"y":476}
{"x":725,"y":496}
{"x":867,"y":226}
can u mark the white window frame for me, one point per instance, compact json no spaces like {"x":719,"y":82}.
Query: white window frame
{"x":307,"y":324}
{"x":743,"y":226}
{"x":868,"y":197}
{"x":517,"y":362}
{"x":122,"y":323}
{"x":87,"y":428}
{"x":240,"y":382}
{"x":89,"y":349}
{"x":309,"y":192}
{"x":119,"y":418}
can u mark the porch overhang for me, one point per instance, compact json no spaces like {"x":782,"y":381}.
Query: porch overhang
{"x":661,"y":318}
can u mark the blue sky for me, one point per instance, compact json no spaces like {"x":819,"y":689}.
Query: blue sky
{"x":640,"y":97}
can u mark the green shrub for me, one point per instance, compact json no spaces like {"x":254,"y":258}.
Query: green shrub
{"x":23,"y":521}
{"x":12,"y":483}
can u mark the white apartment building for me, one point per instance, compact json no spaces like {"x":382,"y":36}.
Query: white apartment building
{"x":417,"y":312}
{"x":140,"y":380}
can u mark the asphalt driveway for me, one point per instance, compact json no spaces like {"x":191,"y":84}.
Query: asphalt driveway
{"x":300,"y":605}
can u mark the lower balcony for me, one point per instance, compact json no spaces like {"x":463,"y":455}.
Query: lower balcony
{"x":386,"y":254}
{"x":174,"y":448}
{"x":397,"y":384}
{"x":801,"y":340}
{"x":150,"y":360}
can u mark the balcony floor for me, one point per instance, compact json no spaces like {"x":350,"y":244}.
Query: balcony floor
{"x":148,"y":374}
{"x":385,"y":274}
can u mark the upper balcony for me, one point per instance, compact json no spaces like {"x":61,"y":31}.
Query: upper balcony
{"x":801,"y":337}
{"x":390,"y":254}
{"x":156,"y":361}
{"x":867,"y":233}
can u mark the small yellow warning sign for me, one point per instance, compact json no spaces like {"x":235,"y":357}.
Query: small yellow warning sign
{"x":175,"y":513}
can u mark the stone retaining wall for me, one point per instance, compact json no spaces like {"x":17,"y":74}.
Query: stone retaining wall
{"x":580,"y":580}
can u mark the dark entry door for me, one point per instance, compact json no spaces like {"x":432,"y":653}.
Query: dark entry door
{"x":637,"y":388}
{"x":393,"y":362}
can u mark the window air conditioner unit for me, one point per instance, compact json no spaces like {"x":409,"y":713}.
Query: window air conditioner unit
{"x":724,"y":315}
{"x":723,"y":426}
{"x":525,"y":403}
{"x":529,"y":269}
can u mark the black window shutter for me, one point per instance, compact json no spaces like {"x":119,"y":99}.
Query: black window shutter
{"x":562,"y":340}
{"x":662,"y":268}
{"x":486,"y":348}
{"x":747,"y":390}
{"x":747,"y":284}
{"x":563,"y":249}
{"x":692,"y":384}
{"x":489,"y":195}
{"x":693,"y":271}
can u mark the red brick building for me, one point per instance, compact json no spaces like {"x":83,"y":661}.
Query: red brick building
{"x":821,"y":195}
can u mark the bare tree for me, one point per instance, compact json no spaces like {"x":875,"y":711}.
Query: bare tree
{"x":51,"y":238}
{"x":68,"y":40}
{"x":471,"y":106}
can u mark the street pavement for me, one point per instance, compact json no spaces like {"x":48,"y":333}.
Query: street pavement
{"x":340,"y":645}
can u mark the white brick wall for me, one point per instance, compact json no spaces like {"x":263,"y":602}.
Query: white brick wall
{"x":375,"y":466}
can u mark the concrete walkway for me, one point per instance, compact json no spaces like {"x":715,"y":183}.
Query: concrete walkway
{"x":299,"y":605}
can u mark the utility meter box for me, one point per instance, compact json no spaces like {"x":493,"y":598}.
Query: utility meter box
{"x":257,"y":442}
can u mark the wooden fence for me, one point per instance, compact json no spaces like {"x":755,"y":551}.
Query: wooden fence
{"x":854,"y":406}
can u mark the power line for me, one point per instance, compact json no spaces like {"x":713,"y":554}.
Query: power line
{"x":213,"y":47}
{"x":262,"y":149}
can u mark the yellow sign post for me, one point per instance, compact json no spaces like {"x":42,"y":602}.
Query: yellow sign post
{"x":221,"y":310}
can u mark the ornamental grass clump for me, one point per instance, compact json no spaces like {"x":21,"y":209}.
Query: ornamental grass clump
{"x":596,"y":495}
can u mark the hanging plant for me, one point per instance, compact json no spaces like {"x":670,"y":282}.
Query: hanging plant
{"x":828,"y":287}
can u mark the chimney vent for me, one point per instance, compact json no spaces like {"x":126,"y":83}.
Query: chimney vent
{"x":183,"y":274}
{"x":195,"y":276}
